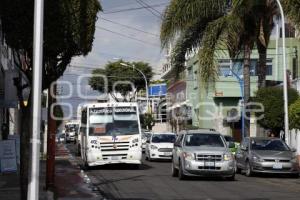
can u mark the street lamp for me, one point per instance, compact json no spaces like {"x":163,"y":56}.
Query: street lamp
{"x":145,"y":78}
{"x":285,"y":87}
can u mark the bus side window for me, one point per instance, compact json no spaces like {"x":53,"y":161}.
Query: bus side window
{"x":84,"y":121}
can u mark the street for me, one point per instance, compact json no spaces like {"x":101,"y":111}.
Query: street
{"x":154,"y":181}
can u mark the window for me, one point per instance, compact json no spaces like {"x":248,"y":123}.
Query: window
{"x":224,"y":67}
{"x":295,"y":68}
{"x":207,"y":140}
{"x":269,"y":66}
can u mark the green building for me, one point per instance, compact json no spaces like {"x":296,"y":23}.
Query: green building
{"x":218,"y":105}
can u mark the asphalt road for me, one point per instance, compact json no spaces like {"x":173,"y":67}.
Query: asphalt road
{"x":153,"y":181}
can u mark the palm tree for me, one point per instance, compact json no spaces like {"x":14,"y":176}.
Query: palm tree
{"x":235,"y":25}
{"x":200,"y":24}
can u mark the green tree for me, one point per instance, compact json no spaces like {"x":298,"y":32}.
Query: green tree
{"x":294,"y":115}
{"x":69,"y":27}
{"x":272,"y":100}
{"x":147,"y":121}
{"x":114,"y":72}
{"x":211,"y":25}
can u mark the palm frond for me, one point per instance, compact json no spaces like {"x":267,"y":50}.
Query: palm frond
{"x":188,"y":41}
{"x":181,"y":14}
{"x":213,"y":38}
{"x":291,"y":9}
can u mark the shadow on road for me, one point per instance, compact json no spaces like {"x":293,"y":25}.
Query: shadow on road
{"x":119,"y":167}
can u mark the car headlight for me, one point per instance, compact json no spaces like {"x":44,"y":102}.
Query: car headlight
{"x":294,"y":159}
{"x":228,"y":156}
{"x":257,"y":159}
{"x":153,"y":147}
{"x":188,"y":156}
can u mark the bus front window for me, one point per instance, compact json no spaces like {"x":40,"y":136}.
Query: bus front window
{"x":113,"y":122}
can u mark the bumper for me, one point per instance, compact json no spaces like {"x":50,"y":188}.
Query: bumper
{"x":107,"y":162}
{"x":154,"y":154}
{"x":270,"y":167}
{"x":197,"y":168}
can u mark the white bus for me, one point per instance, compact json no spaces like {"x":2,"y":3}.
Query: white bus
{"x":110,"y":133}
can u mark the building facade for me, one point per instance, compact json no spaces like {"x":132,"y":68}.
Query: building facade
{"x":218,"y":105}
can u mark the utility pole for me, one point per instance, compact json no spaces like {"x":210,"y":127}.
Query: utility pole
{"x":51,"y":133}
{"x":33,"y":185}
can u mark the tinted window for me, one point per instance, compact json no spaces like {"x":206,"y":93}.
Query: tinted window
{"x":271,"y":145}
{"x":209,"y":140}
{"x":163,"y":138}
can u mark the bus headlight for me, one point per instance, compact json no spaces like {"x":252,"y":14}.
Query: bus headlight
{"x":136,"y":140}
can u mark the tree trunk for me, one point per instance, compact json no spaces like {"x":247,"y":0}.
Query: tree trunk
{"x":246,"y":74}
{"x":262,"y":68}
{"x":25,"y":148}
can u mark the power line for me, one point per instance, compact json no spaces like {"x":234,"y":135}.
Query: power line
{"x":126,"y":36}
{"x":130,"y":27}
{"x":148,"y":8}
{"x":136,"y":8}
{"x":151,"y":7}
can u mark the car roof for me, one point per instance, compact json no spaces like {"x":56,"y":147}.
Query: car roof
{"x":163,"y":133}
{"x":200,"y":131}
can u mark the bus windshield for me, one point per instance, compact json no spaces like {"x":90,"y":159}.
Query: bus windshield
{"x":113,"y":121}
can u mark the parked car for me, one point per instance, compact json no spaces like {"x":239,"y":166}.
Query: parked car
{"x":160,"y":146}
{"x":236,"y":144}
{"x":202,"y":153}
{"x":145,"y":136}
{"x":266,"y":155}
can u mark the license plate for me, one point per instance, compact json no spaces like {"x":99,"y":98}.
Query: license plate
{"x":209,"y":164}
{"x":167,"y":153}
{"x":114,"y":158}
{"x":277,"y":166}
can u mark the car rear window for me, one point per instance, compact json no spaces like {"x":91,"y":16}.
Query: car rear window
{"x":209,"y":140}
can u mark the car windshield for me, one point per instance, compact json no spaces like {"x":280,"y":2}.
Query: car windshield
{"x":163,"y":138}
{"x":208,"y":140}
{"x":228,"y":138}
{"x":269,"y":145}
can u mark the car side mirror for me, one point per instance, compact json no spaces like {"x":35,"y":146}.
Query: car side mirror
{"x":293,"y":149}
{"x":231,"y":145}
{"x":147,"y":141}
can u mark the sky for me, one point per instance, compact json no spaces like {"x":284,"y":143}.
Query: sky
{"x":114,"y":40}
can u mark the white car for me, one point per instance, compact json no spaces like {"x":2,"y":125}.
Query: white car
{"x":160,"y":146}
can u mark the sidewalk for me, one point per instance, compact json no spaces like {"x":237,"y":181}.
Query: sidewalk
{"x":69,"y":181}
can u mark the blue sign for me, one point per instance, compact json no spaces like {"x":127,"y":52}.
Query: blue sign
{"x":158,"y":90}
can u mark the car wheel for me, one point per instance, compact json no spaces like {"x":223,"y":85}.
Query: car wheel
{"x":181,"y":175}
{"x":248,"y":169}
{"x":174,"y":170}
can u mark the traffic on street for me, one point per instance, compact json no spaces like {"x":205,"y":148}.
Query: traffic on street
{"x":153,"y":181}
